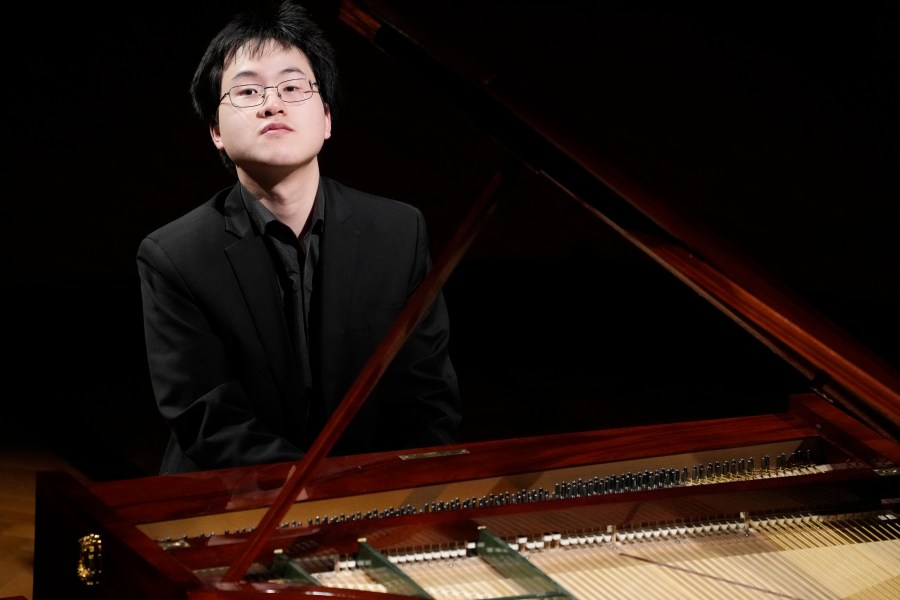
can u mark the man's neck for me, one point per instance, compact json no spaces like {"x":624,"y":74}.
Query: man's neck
{"x":289,"y":198}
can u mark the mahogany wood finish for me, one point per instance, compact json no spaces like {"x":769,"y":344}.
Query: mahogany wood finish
{"x":835,"y":363}
{"x":864,"y":472}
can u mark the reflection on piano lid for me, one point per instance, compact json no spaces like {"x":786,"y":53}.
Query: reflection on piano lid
{"x":541,"y":120}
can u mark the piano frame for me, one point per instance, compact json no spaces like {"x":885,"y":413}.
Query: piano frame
{"x":140,"y":522}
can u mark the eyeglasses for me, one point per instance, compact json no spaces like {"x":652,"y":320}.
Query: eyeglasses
{"x":254,"y":94}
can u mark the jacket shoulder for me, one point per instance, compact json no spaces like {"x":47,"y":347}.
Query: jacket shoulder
{"x":205,"y":217}
{"x":346,"y":199}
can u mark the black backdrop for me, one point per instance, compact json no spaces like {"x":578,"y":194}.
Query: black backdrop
{"x":777,"y":126}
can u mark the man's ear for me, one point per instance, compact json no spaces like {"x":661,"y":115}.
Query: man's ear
{"x":327,"y":122}
{"x":216,"y":136}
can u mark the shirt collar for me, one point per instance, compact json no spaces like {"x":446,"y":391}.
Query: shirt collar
{"x":262,"y":216}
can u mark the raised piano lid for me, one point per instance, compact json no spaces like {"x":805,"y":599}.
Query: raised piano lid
{"x":518,"y":104}
{"x":679,"y":149}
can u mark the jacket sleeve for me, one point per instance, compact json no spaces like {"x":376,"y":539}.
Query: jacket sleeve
{"x":194,"y":379}
{"x":420,"y":389}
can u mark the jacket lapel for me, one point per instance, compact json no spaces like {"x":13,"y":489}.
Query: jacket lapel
{"x":253,"y":271}
{"x":339,"y":258}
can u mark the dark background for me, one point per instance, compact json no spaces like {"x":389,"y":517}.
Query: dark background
{"x":775,"y":126}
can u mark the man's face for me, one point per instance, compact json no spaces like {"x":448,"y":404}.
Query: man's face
{"x":275,"y":135}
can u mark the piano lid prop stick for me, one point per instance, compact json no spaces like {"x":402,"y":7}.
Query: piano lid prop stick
{"x":408,"y":319}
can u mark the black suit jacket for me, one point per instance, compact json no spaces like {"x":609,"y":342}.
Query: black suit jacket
{"x":219,"y":350}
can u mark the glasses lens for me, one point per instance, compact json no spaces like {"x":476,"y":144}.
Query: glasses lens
{"x":246,"y":95}
{"x":295,"y":90}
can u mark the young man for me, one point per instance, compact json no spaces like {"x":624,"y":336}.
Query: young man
{"x":262,"y":305}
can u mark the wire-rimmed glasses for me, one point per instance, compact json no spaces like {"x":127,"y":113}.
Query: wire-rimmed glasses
{"x":291,"y":91}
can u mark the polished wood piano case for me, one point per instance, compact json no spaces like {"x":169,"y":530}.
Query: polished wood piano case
{"x":800,"y":503}
{"x":619,"y":504}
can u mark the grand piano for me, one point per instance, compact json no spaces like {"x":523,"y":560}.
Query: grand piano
{"x":745,"y":491}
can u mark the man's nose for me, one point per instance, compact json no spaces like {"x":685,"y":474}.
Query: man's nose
{"x":267,"y":94}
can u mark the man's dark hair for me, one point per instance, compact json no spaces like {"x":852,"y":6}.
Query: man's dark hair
{"x":287,"y":24}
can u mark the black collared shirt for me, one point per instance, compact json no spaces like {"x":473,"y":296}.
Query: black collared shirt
{"x":296,"y":261}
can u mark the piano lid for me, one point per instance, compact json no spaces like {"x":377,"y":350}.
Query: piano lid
{"x":737,"y":155}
